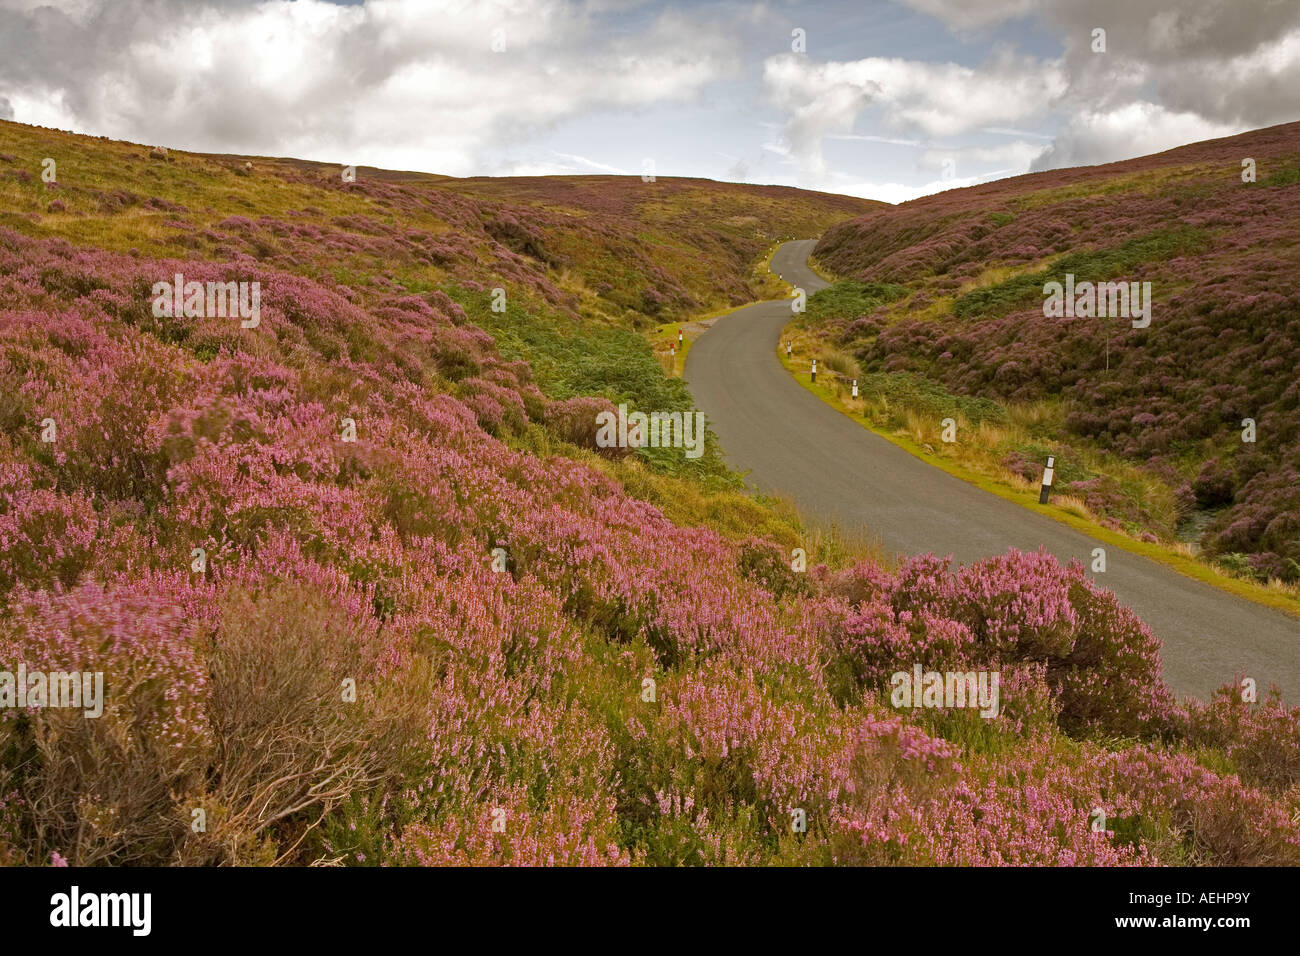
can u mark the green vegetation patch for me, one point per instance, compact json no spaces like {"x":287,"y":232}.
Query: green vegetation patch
{"x":568,"y":360}
{"x":1093,"y":265}
{"x":1288,"y":176}
{"x":849,"y":299}
{"x":902,"y":391}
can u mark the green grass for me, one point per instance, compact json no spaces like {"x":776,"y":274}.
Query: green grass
{"x":849,"y":299}
{"x":1161,"y":554}
{"x":904,"y":391}
{"x":1287,"y":176}
{"x":1093,"y":265}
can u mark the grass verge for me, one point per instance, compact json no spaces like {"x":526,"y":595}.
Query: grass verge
{"x":1161,"y":554}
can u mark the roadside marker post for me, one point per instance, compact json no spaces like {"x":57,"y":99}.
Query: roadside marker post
{"x":855,"y":388}
{"x":788,"y":349}
{"x":814,"y":371}
{"x":1047,"y":480}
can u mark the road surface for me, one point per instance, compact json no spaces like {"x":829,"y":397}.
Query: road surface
{"x":837,"y":471}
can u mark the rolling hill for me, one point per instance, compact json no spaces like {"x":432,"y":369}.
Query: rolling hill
{"x":1150,"y":424}
{"x":358,"y":587}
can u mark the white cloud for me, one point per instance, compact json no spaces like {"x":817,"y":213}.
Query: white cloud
{"x":582,"y":162}
{"x":1172,"y":73}
{"x":1006,"y":131}
{"x":965,"y":15}
{"x":414,"y":84}
{"x":409,"y":84}
{"x":1149,"y":29}
{"x":1017,"y":156}
{"x":888,"y":140}
{"x":1227,"y":60}
{"x":738,"y":172}
{"x":938,"y":99}
{"x":899,"y":192}
{"x":780,"y":148}
{"x":1136,"y":129}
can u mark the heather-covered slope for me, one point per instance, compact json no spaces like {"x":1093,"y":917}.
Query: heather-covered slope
{"x":658,"y":248}
{"x":584,"y":274}
{"x":955,"y":297}
{"x":607,"y":246}
{"x":463,"y":638}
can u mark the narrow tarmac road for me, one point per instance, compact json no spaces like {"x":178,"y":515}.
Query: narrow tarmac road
{"x":836,"y":470}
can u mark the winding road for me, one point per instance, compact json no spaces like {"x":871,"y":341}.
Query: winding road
{"x":835,"y":470}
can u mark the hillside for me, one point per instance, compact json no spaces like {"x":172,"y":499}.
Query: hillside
{"x":597,"y":245}
{"x":588,"y":265}
{"x":1148,"y":423}
{"x":364,"y":590}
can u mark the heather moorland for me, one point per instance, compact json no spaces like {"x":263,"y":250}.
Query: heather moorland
{"x":364,"y":589}
{"x":1185,"y":431}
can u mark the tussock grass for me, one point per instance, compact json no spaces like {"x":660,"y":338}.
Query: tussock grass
{"x":841,"y":363}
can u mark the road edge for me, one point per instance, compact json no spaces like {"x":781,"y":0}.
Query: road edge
{"x":1187,"y":567}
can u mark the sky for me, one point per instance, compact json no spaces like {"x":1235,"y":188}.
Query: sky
{"x":884,"y":99}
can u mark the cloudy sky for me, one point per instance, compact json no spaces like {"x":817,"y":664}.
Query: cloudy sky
{"x":887,"y":99}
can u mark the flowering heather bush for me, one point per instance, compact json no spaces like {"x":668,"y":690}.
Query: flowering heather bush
{"x":45,"y":537}
{"x":1262,"y":741}
{"x":1215,"y":816}
{"x":105,"y":790}
{"x":430,"y":645}
{"x":1037,"y":806}
{"x":1225,"y":334}
{"x":1075,"y":653}
{"x":1029,"y":812}
{"x":575,"y":421}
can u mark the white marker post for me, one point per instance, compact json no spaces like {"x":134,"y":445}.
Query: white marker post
{"x":814,"y":371}
{"x":679,"y":336}
{"x":1047,"y":480}
{"x":855,"y":388}
{"x":788,"y":349}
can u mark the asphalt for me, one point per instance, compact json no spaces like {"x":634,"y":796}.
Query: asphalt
{"x":836,"y":471}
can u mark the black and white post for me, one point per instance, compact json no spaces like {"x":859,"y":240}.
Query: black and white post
{"x":814,"y":371}
{"x":1047,"y":480}
{"x":855,"y":388}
